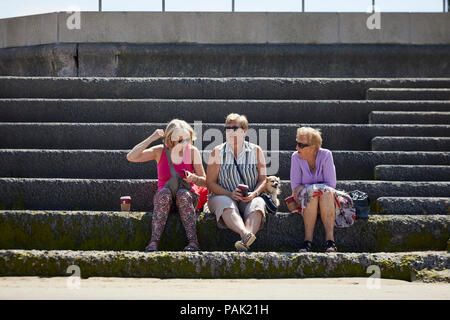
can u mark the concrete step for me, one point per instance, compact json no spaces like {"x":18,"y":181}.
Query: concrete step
{"x":413,"y":205}
{"x":102,"y":230}
{"x":126,"y":135}
{"x":161,"y":110}
{"x":408,"y":94}
{"x":409,"y":266}
{"x":112,"y":164}
{"x":411,"y":143}
{"x":223,"y":87}
{"x":264,"y":59}
{"x":404,"y":117}
{"x":104,"y":194}
{"x":413,"y":172}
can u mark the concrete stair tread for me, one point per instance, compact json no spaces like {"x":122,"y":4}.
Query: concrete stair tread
{"x":413,"y":205}
{"x":411,"y":112}
{"x":104,"y":194}
{"x":126,"y":135}
{"x":410,"y":89}
{"x":115,"y":230}
{"x":408,"y":266}
{"x":409,"y":117}
{"x":154,"y":110}
{"x":413,"y":172}
{"x":412,"y":166}
{"x":408,"y":93}
{"x":96,"y":163}
{"x":227,"y":87}
{"x":408,"y":143}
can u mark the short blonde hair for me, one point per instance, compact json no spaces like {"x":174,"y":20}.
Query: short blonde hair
{"x":177,"y":124}
{"x":241,"y":119}
{"x":313,"y":135}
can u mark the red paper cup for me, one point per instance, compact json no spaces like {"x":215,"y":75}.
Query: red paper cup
{"x":244,"y":189}
{"x":125,"y":203}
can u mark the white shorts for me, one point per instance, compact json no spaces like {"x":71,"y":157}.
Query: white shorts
{"x":218,"y":203}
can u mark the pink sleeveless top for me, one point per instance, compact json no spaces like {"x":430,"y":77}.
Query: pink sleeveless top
{"x":164,"y":170}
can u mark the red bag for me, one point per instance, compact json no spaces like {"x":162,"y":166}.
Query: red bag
{"x":203,"y":192}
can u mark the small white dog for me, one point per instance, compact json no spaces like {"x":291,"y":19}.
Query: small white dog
{"x":273,"y":188}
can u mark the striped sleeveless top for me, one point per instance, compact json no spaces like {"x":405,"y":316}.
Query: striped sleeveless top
{"x":247,"y":161}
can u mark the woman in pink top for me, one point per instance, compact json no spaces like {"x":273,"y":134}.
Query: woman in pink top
{"x":311,"y":164}
{"x":178,"y":138}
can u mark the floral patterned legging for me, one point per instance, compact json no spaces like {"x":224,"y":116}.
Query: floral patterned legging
{"x":185,"y":201}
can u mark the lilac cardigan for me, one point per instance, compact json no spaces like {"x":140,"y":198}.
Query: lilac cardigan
{"x":325,"y":170}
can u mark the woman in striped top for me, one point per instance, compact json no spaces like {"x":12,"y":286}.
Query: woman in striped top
{"x":243,"y":215}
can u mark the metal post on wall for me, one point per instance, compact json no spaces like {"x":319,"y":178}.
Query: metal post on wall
{"x":100,"y":5}
{"x":373,"y":6}
{"x":303,"y":5}
{"x":232,"y":5}
{"x":163,"y":5}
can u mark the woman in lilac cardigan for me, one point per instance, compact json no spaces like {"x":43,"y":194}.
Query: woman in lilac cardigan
{"x":311,"y":164}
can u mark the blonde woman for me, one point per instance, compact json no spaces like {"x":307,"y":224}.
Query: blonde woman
{"x":178,"y":138}
{"x":311,"y":164}
{"x":244,"y":215}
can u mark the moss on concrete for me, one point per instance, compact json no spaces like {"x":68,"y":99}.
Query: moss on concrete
{"x":223,"y":264}
{"x":430,"y":276}
{"x":81,"y":230}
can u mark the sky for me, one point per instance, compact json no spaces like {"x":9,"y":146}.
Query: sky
{"x":10,"y":8}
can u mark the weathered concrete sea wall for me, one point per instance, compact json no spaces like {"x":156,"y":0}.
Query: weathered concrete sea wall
{"x":261,"y":44}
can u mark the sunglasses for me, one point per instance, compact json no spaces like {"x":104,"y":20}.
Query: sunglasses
{"x":184,"y":140}
{"x":234,"y":128}
{"x":302,"y":145}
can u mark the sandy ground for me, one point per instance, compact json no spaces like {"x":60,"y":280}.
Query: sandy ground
{"x":17,"y":288}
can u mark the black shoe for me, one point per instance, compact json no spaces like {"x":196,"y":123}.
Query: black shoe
{"x":330,"y":246}
{"x":306,"y":247}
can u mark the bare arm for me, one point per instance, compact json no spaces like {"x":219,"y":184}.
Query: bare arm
{"x":199,"y":178}
{"x":140,"y":154}
{"x":262,"y":174}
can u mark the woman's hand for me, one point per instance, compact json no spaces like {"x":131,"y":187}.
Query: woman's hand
{"x":296,"y":191}
{"x":158,"y":134}
{"x":190,"y":177}
{"x":236,"y":195}
{"x":250,"y":196}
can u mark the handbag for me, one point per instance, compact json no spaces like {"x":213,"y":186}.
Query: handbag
{"x":361,"y":202}
{"x":271,"y":207}
{"x":175,"y":182}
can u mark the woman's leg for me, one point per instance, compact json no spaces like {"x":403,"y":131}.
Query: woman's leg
{"x":254,"y":214}
{"x":185,"y":203}
{"x":328,"y":214}
{"x":310,"y":217}
{"x":253,"y":222}
{"x":233,"y":220}
{"x":162,"y":202}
